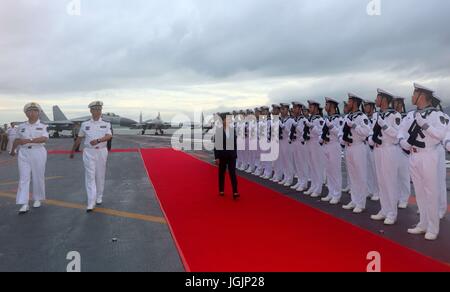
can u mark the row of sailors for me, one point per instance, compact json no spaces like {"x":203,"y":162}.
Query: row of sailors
{"x":382,"y":152}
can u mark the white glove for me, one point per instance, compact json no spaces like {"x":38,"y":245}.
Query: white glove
{"x":381,"y":122}
{"x":404,"y":144}
{"x":420,"y":120}
{"x":350,"y":123}
{"x":328,"y":123}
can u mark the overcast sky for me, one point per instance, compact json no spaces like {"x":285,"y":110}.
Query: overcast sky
{"x":175,"y":56}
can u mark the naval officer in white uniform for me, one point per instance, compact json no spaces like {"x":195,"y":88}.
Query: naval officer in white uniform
{"x":32,"y":158}
{"x":96,"y":133}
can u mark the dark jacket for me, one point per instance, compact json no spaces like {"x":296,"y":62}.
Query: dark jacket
{"x":222,"y":152}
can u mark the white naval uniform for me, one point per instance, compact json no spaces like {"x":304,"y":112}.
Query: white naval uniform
{"x":262,"y":145}
{"x":404,"y":175}
{"x":300,"y":155}
{"x":443,"y":203}
{"x":342,"y":142}
{"x":241,"y":151}
{"x":386,"y":163}
{"x":277,"y":163}
{"x":357,"y":158}
{"x":316,"y":154}
{"x":253,"y":145}
{"x":372,"y":180}
{"x":12,"y":134}
{"x":425,"y":172}
{"x":32,"y":159}
{"x":333,"y":157}
{"x":286,"y":150}
{"x":95,"y":158}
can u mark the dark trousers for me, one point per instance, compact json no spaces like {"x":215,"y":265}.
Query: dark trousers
{"x":231,"y":164}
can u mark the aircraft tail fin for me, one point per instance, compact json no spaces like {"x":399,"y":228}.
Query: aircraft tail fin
{"x":58,"y":115}
{"x":43,"y":117}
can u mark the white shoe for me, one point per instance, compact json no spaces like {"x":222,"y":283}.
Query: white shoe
{"x":294,"y":187}
{"x":36,"y":204}
{"x":375,"y":198}
{"x":24,"y":209}
{"x":315,"y":195}
{"x":416,"y":231}
{"x":326,"y":199}
{"x":378,"y":217}
{"x":309,"y":192}
{"x":90,"y":208}
{"x":358,"y":210}
{"x":301,"y":189}
{"x":349,"y":206}
{"x":288,"y":183}
{"x":99,"y":201}
{"x":403,"y":205}
{"x":335,"y":201}
{"x":389,"y":221}
{"x":430,"y":236}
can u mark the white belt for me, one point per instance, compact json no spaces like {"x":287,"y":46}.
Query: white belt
{"x":96,"y":148}
{"x":31,"y":147}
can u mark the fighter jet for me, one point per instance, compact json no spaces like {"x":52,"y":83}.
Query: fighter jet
{"x":153,"y":124}
{"x":112,"y":118}
{"x":59,"y":124}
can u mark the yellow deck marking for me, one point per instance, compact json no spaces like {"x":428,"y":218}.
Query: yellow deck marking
{"x":16,"y":182}
{"x":111,"y":212}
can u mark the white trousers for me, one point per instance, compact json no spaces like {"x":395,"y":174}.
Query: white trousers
{"x":386,"y":162}
{"x":333,"y":167}
{"x":425,"y":175}
{"x":357,"y":170}
{"x":347,"y":175}
{"x":443,"y":202}
{"x":287,"y":159}
{"x":317,"y":171}
{"x":372,"y":180}
{"x":300,"y":165}
{"x":10,"y":144}
{"x":31,"y":168}
{"x":95,"y":170}
{"x":404,"y":177}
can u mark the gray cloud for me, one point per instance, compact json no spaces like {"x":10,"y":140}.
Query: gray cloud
{"x":171,"y":45}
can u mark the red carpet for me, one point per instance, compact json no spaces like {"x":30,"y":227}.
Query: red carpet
{"x":264,"y":231}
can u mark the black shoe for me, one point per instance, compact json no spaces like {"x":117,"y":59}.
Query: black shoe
{"x":222,"y":194}
{"x":236,"y":196}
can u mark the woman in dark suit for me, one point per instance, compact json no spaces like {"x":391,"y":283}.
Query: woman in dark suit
{"x":225,"y":154}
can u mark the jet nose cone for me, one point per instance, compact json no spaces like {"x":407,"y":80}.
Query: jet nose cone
{"x":124,"y":122}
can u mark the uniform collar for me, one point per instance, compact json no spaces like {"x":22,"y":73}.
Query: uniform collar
{"x":99,"y":120}
{"x":37,"y":123}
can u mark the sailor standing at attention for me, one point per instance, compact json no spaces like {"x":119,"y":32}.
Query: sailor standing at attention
{"x":443,"y":202}
{"x":96,"y":133}
{"x":355,"y":132}
{"x":385,"y":141}
{"x":286,"y":150}
{"x":372,"y":181}
{"x":333,"y":150}
{"x":316,"y":151}
{"x":425,"y":136}
{"x":404,"y":176}
{"x":32,"y":158}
